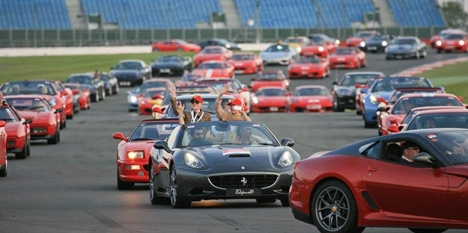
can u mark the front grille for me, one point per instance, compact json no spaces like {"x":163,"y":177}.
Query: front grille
{"x":236,"y":181}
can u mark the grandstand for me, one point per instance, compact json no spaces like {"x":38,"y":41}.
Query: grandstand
{"x":192,"y":14}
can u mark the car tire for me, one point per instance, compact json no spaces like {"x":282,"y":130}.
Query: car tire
{"x":24,"y":153}
{"x":285,"y":201}
{"x":336,"y":106}
{"x":4,"y":170}
{"x":265,"y":199}
{"x":328,"y":196}
{"x":54,"y":140}
{"x":123,"y":185}
{"x":368,"y":125}
{"x":116,"y":90}
{"x":103,"y":95}
{"x":94,"y":98}
{"x":176,"y":200}
{"x":155,"y":200}
{"x":419,"y":230}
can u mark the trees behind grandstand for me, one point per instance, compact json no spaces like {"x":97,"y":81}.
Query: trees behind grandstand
{"x":455,"y":16}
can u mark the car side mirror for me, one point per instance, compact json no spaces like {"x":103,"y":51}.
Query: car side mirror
{"x":27,"y":121}
{"x":363,"y":90}
{"x":120,"y":136}
{"x":288,"y":142}
{"x":393,"y":129}
{"x":424,"y":157}
{"x":75,"y":91}
{"x":335,"y":83}
{"x":162,"y":145}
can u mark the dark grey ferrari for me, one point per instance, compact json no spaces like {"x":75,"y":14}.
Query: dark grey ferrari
{"x":171,"y":65}
{"x":221,"y":160}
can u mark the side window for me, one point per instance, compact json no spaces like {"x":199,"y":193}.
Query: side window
{"x":374,"y":151}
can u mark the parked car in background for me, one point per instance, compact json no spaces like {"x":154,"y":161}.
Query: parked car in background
{"x":94,"y":85}
{"x":175,"y":45}
{"x":406,"y":47}
{"x":220,"y":42}
{"x":171,"y":65}
{"x":131,"y":72}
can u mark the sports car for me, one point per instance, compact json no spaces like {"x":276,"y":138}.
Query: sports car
{"x":81,"y":96}
{"x":134,"y":95}
{"x":361,"y":36}
{"x":442,"y":33}
{"x":279,"y":55}
{"x":406,"y":47}
{"x":361,"y":94}
{"x":3,"y":152}
{"x":133,"y":152}
{"x":348,"y":58}
{"x":309,"y":67}
{"x":318,"y":49}
{"x":188,"y":79}
{"x":172,"y":65}
{"x":368,"y":184}
{"x":56,"y":98}
{"x":237,"y":89}
{"x":238,"y":160}
{"x":18,"y":132}
{"x":375,"y":43}
{"x":384,"y":87}
{"x":246,"y":63}
{"x":269,"y":78}
{"x":331,"y":43}
{"x":149,"y":98}
{"x":111,"y":84}
{"x":311,"y":98}
{"x":270,"y":99}
{"x":175,"y":45}
{"x":131,"y":72}
{"x":218,"y":69}
{"x":67,"y":97}
{"x":44,"y":119}
{"x":87,"y":81}
{"x":434,"y":118}
{"x":393,"y":114}
{"x":346,"y":92}
{"x":296,"y":42}
{"x":212,"y":53}
{"x":452,"y":42}
{"x":220,"y":42}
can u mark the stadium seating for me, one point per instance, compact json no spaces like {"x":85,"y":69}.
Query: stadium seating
{"x":34,"y":14}
{"x":416,"y":13}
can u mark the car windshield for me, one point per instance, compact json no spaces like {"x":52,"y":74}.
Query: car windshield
{"x":270,"y":92}
{"x":211,"y":65}
{"x":81,"y":79}
{"x":28,"y":87}
{"x":405,"y":104}
{"x":353,"y":79}
{"x":439,"y":120}
{"x":308,"y":60}
{"x":6,"y":114}
{"x":151,"y":93}
{"x":268,"y":76}
{"x":169,"y":59}
{"x":453,"y":37}
{"x":391,"y":83}
{"x":240,"y":57}
{"x":226,"y":134}
{"x":344,"y":51}
{"x":404,"y":42}
{"x":128,"y":66}
{"x":312,"y":91}
{"x":190,"y":77}
{"x":293,"y":40}
{"x":364,"y":34}
{"x":150,"y":130}
{"x":212,"y":50}
{"x":452,"y":144}
{"x":277,"y":48}
{"x":29,"y":104}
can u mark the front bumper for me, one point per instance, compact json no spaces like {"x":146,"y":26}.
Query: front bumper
{"x":136,"y":172}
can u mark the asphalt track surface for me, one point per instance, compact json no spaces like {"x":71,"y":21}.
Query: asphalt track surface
{"x":71,"y":187}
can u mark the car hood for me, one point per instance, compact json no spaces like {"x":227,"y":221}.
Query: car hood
{"x":238,"y":158}
{"x":170,"y":63}
{"x":145,"y":145}
{"x":310,"y":99}
{"x":125,"y":72}
{"x":34,"y":115}
{"x":271,"y":99}
{"x":400,"y":47}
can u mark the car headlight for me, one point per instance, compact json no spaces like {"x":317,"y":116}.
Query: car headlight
{"x":321,"y":49}
{"x":133,"y":99}
{"x":439,"y":43}
{"x":135,"y":155}
{"x":373,"y":99}
{"x":193,"y":162}
{"x":286,"y":159}
{"x":384,"y":43}
{"x":228,"y":46}
{"x":53,"y":102}
{"x":255,"y":100}
{"x":363,"y":44}
{"x":461,"y":42}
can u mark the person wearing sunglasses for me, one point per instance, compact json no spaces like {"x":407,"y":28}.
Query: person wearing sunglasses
{"x":410,"y":149}
{"x":196,"y":114}
{"x":236,"y":112}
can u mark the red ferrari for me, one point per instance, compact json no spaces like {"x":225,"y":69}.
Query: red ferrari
{"x":81,"y":95}
{"x":18,"y":132}
{"x":67,"y":96}
{"x":133,"y":152}
{"x":452,"y":42}
{"x":320,"y":49}
{"x":311,"y":98}
{"x":45,"y":120}
{"x":3,"y":150}
{"x":246,"y":63}
{"x":217,"y":69}
{"x":212,"y":53}
{"x":270,"y":99}
{"x":309,"y":67}
{"x":348,"y":58}
{"x":174,"y":46}
{"x":269,"y":78}
{"x":369,"y":184}
{"x":150,"y":97}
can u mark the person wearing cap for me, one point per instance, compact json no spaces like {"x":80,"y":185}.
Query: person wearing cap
{"x":236,"y":112}
{"x":195,"y":115}
{"x":410,"y":149}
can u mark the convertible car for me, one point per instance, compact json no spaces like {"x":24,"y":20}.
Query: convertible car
{"x":45,"y":120}
{"x":17,"y":131}
{"x":3,"y":153}
{"x":171,"y":65}
{"x":81,"y":96}
{"x":221,"y":160}
{"x":94,"y":85}
{"x":368,"y":184}
{"x":309,"y":67}
{"x":406,"y":47}
{"x":133,"y":152}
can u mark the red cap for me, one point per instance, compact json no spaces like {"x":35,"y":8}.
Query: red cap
{"x":198,"y":98}
{"x":157,"y":110}
{"x":235,"y":102}
{"x":157,"y":96}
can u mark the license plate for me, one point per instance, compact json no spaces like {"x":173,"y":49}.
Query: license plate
{"x":165,"y":70}
{"x":239,"y":71}
{"x":242,"y":192}
{"x":449,"y":47}
{"x":372,"y":48}
{"x":340,"y":65}
{"x":274,"y":109}
{"x":124,"y":83}
{"x":314,"y":106}
{"x":304,"y":72}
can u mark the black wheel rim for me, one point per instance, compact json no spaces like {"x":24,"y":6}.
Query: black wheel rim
{"x":332,"y":209}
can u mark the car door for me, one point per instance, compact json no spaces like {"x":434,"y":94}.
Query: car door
{"x":164,"y":159}
{"x":406,"y":190}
